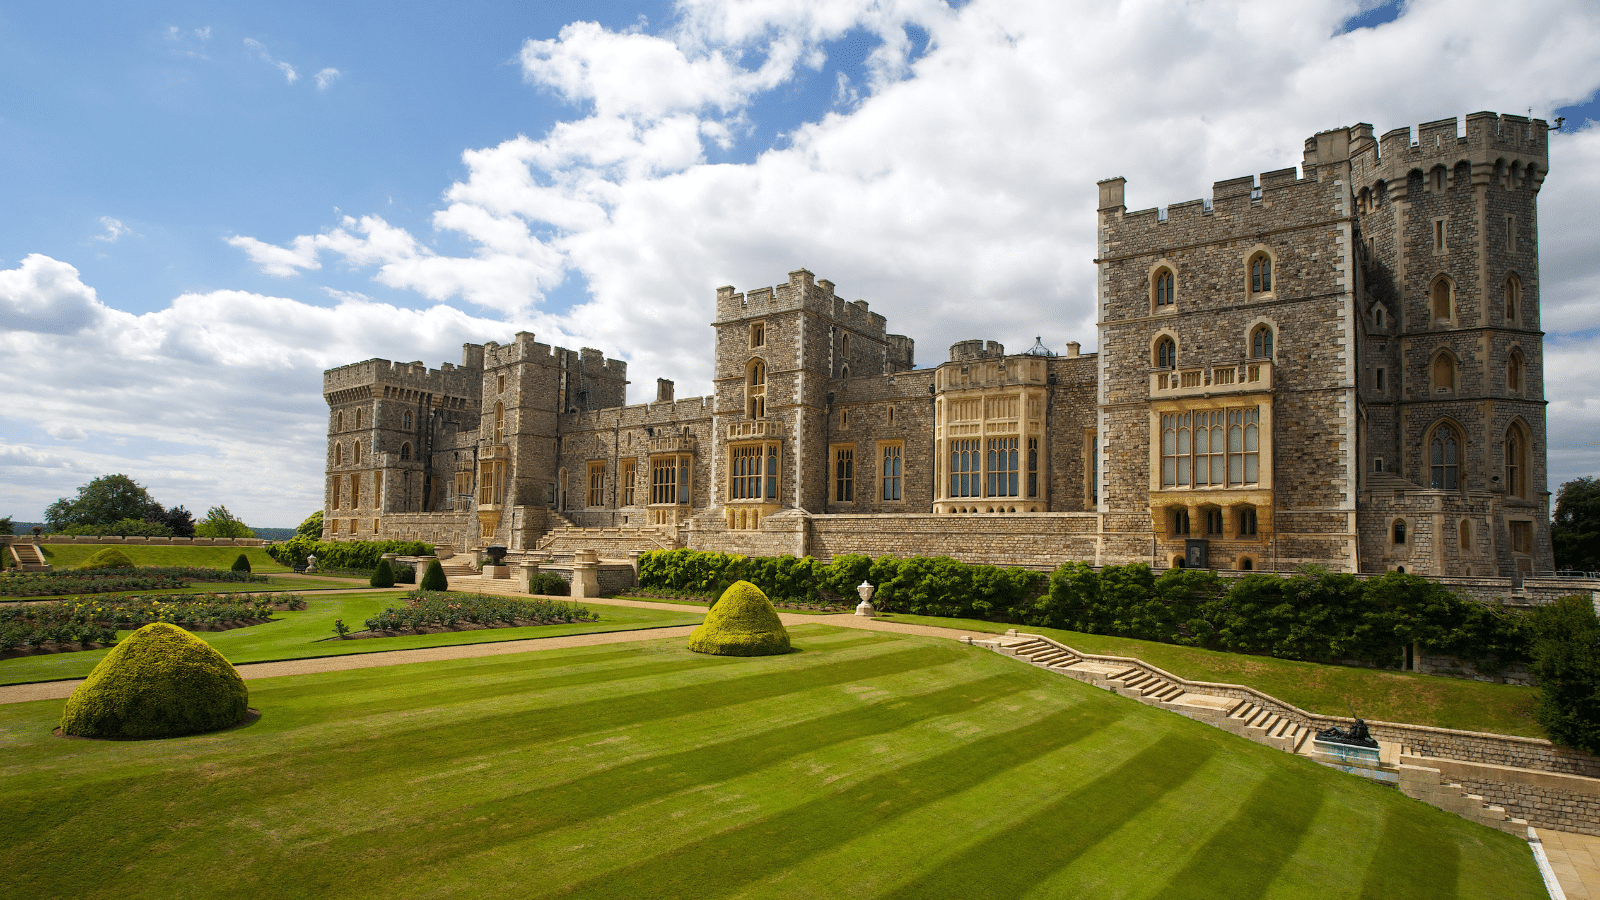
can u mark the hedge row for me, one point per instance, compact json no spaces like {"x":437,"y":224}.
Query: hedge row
{"x":105,"y":581}
{"x":922,"y":585}
{"x":1316,"y":615}
{"x":363,"y":555}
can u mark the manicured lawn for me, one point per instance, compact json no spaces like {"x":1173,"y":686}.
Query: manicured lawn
{"x":1377,"y":694}
{"x":864,"y":766}
{"x":70,"y":556}
{"x":305,"y":633}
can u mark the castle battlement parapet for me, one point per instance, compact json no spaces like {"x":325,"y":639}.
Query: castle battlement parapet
{"x":802,"y":292}
{"x":377,"y":374}
{"x":1490,"y":140}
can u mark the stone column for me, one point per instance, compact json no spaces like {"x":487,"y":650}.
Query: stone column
{"x":585,"y":574}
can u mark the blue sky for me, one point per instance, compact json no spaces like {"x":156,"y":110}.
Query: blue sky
{"x":208,"y":204}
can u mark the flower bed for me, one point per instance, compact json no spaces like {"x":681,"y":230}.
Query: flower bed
{"x":106,"y":581}
{"x":443,"y":610}
{"x":87,"y":622}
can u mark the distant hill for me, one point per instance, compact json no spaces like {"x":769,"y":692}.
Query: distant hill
{"x":274,"y":534}
{"x":24,"y":527}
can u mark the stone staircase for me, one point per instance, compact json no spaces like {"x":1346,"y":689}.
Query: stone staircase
{"x":611,"y":542}
{"x":29,"y":558}
{"x":1239,"y":710}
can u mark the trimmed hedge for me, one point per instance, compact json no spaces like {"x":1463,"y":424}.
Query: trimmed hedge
{"x":383,"y":575}
{"x":741,"y":623}
{"x":433,"y":579}
{"x":109,"y":558}
{"x":343,"y":554}
{"x":160,"y":681}
{"x":242,"y":564}
{"x":549,"y":584}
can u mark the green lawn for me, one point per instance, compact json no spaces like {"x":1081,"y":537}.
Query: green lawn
{"x":863,"y":766}
{"x":71,"y":556}
{"x":1377,"y":694}
{"x":309,"y":632}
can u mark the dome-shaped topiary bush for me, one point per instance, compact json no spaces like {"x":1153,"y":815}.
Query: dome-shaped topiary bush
{"x":742,"y":623}
{"x":433,"y":579}
{"x":109,"y":558}
{"x":242,"y":564}
{"x":160,"y":681}
{"x":383,"y":575}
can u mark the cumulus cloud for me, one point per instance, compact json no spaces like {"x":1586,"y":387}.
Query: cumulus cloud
{"x":260,"y":49}
{"x":951,"y":187}
{"x":64,"y":431}
{"x":44,"y":295}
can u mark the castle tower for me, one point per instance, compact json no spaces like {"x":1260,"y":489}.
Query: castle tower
{"x":1451,"y":386}
{"x":777,"y":351}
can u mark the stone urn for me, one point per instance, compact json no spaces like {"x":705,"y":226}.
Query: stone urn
{"x":497,"y":567}
{"x":864,"y":608}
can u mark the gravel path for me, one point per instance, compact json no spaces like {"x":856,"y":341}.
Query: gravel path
{"x":60,"y":690}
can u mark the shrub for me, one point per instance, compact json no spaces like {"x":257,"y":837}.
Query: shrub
{"x":426,"y":609}
{"x":1566,"y":660}
{"x":549,"y":584}
{"x":403,"y":573}
{"x":109,"y":558}
{"x":363,"y":555}
{"x":433,"y":579}
{"x":741,"y":623}
{"x":383,"y":575}
{"x":242,"y":564}
{"x":160,"y":681}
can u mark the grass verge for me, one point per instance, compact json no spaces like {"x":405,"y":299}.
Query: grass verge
{"x":71,"y":556}
{"x":648,"y":771}
{"x":1378,"y":694}
{"x":300,"y":634}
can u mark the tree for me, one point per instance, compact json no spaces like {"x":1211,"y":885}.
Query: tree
{"x":220,"y":523}
{"x":311,"y":528}
{"x":178,"y":520}
{"x":107,"y":499}
{"x":1576,"y":530}
{"x":5,"y":525}
{"x":1566,"y":661}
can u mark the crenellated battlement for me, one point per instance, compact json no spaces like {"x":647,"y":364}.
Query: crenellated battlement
{"x":1490,"y":139}
{"x":640,"y":414}
{"x":447,"y":380}
{"x":801,"y":292}
{"x":1246,"y":198}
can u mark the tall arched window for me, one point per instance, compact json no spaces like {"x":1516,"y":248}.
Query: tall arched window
{"x":1399,"y":531}
{"x":1377,"y":317}
{"x":1516,"y":369}
{"x":405,"y":421}
{"x":499,"y":423}
{"x":1261,"y":274}
{"x":358,"y":418}
{"x":1166,"y":353}
{"x":338,"y":421}
{"x":338,"y":454}
{"x":1261,"y":342}
{"x":1163,"y":284}
{"x":405,"y":451}
{"x":1513,"y":297}
{"x":1443,"y":378}
{"x":1464,"y":534}
{"x":1439,"y":299}
{"x":1444,"y":459}
{"x":1516,"y":462}
{"x":756,"y":390}
{"x":355,"y":456}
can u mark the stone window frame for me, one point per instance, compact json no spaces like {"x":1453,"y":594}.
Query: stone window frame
{"x":1439,"y":235}
{"x":1260,"y":325}
{"x":891,"y":457}
{"x":1163,"y":336}
{"x":405,"y":451}
{"x":1446,"y":355}
{"x":1246,"y":562}
{"x":1177,"y":521}
{"x":406,"y":420}
{"x":755,"y":388}
{"x":1464,"y":535}
{"x":338,"y":453}
{"x":355,"y":454}
{"x":1437,"y":178}
{"x":758,"y":334}
{"x":499,"y":422}
{"x":1450,"y":425}
{"x":1380,"y":316}
{"x":1400,"y":531}
{"x":1448,"y":320}
{"x":1162,"y":267}
{"x":1256,"y":254}
{"x":358,"y":418}
{"x":768,"y":480}
{"x":1520,"y":531}
{"x":627,"y":479}
{"x":1513,"y":298}
{"x":1516,"y":455}
{"x":1247,"y":521}
{"x":1516,"y":372}
{"x":842,"y":473}
{"x":595,"y":484}
{"x":338,"y":421}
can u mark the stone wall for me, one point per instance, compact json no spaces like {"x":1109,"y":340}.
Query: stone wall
{"x":1040,"y":541}
{"x":151,"y":541}
{"x":1545,"y":799}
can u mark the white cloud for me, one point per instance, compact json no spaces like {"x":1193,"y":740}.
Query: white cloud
{"x":288,"y":70}
{"x":114,"y":229}
{"x":44,"y":295}
{"x":326,"y":77}
{"x":63,"y":431}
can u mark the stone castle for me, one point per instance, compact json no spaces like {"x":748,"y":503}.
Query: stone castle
{"x":1341,"y":367}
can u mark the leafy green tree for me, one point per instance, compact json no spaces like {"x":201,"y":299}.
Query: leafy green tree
{"x":178,"y":521}
{"x":311,"y":528}
{"x":1576,"y":529}
{"x":1566,"y":661}
{"x":107,"y":499}
{"x":220,"y":523}
{"x":5,"y":525}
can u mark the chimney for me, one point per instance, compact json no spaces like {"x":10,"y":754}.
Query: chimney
{"x":1072,"y":349}
{"x":663,"y":390}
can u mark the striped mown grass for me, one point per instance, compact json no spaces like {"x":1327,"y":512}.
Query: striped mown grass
{"x":864,"y":765}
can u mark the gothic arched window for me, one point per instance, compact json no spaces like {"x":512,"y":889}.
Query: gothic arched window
{"x":1163,"y":284}
{"x":1261,"y":342}
{"x":1261,"y":274}
{"x":756,"y":389}
{"x":1444,"y":459}
{"x":1166,"y":353}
